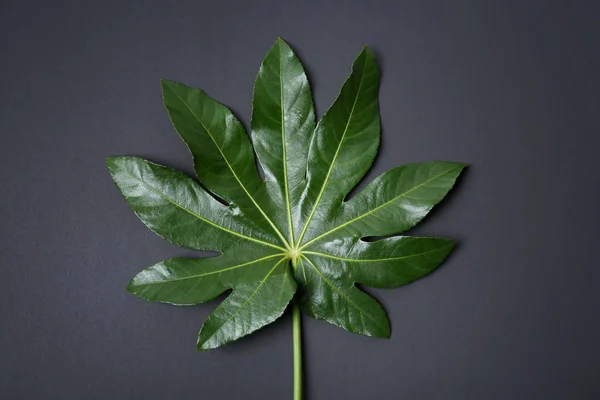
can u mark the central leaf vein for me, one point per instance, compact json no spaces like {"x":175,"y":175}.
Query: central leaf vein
{"x":240,"y":308}
{"x":320,"y":195}
{"x":234,"y":267}
{"x":170,"y":200}
{"x":233,"y":171}
{"x":375,"y":209}
{"x":348,"y":299}
{"x":284,"y":150}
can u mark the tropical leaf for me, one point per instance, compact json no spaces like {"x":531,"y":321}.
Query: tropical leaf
{"x":290,"y":232}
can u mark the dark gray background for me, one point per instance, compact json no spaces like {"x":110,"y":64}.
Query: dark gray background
{"x":509,"y":86}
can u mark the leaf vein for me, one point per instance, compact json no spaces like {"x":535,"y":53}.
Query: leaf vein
{"x":231,"y":169}
{"x":376,"y":208}
{"x":153,"y":189}
{"x":214,"y":272}
{"x":320,"y":195}
{"x":245,"y":302}
{"x":358,"y":260}
{"x":336,"y":289}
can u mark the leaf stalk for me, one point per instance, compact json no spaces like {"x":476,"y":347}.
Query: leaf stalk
{"x":296,"y":316}
{"x":297,"y":342}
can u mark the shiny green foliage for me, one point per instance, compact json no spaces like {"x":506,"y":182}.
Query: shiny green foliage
{"x":291,"y":232}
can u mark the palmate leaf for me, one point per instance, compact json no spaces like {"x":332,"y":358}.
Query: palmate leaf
{"x":291,"y":233}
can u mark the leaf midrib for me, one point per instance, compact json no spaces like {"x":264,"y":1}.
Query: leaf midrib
{"x":326,"y":181}
{"x":231,"y":169}
{"x":284,"y":150}
{"x":212,"y":272}
{"x":376,"y":208}
{"x":172,"y":201}
{"x":245,"y":302}
{"x":349,"y":300}
{"x":358,"y":260}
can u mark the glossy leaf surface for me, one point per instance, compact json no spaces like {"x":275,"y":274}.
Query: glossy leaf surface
{"x":290,"y":232}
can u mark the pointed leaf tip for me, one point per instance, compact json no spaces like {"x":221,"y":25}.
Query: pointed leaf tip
{"x":280,"y":41}
{"x":166,"y":83}
{"x":130,"y":287}
{"x":367,"y":50}
{"x":116,"y":163}
{"x":201,"y":346}
{"x":461,"y":166}
{"x":112,"y":163}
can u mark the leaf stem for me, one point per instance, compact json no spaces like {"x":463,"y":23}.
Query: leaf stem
{"x":297,"y":338}
{"x":296,"y":318}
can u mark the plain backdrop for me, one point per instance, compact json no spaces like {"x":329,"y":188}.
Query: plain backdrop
{"x":511,"y":87}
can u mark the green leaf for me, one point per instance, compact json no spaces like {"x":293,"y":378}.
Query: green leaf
{"x":292,"y":232}
{"x":345,"y":141}
{"x":283,"y":120}
{"x":333,"y":270}
{"x":174,"y":206}
{"x":223,"y":157}
{"x":262,"y":287}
